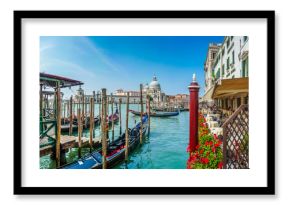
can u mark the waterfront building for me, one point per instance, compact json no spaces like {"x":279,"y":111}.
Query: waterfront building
{"x":121,"y":92}
{"x":230,"y":72}
{"x":182,"y":100}
{"x":212,"y":51}
{"x":232,"y":62}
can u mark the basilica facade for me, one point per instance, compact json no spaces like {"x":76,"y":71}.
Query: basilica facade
{"x":154,"y":90}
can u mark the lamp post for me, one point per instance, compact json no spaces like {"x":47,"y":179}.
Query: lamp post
{"x":193,"y":114}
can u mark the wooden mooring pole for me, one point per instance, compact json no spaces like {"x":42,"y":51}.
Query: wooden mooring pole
{"x":104,"y":128}
{"x":41,"y":108}
{"x":94,"y":96}
{"x":68,"y":109}
{"x":70,"y":116}
{"x":58,"y":110}
{"x":91,"y":122}
{"x":83,"y":111}
{"x":107,"y":118}
{"x":148,"y":101}
{"x":112,"y":118}
{"x":141,"y":115}
{"x":120,"y":115}
{"x":127,"y":132}
{"x":100,"y":108}
{"x":64,"y":105}
{"x":79,"y":132}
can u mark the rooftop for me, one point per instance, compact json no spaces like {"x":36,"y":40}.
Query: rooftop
{"x":50,"y":80}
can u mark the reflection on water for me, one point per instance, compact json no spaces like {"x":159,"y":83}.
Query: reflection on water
{"x":165,"y":148}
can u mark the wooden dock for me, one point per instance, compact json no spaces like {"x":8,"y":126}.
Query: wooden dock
{"x":67,"y":142}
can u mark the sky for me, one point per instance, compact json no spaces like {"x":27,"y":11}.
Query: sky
{"x":115,"y":62}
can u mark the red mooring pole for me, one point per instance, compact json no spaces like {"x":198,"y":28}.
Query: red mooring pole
{"x":193,"y":114}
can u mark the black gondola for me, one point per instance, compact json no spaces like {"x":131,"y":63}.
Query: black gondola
{"x":115,"y":150}
{"x":157,"y":114}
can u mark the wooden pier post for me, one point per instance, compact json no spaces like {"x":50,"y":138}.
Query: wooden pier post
{"x":73,"y":107}
{"x":112,"y":110}
{"x":193,"y":114}
{"x":67,"y":109}
{"x":86,"y":107}
{"x":91,"y":122}
{"x":127,"y":132}
{"x":107,"y":118}
{"x":100,"y":109}
{"x":58,"y":110}
{"x":104,"y":128}
{"x":141,"y":115}
{"x":41,"y":108}
{"x":94,"y":95}
{"x":79,"y":132}
{"x":64,"y":111}
{"x":148,"y":99}
{"x":70,"y":117}
{"x":120,"y":115}
{"x":83,"y":111}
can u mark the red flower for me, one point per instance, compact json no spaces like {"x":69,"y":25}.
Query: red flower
{"x":201,"y":151}
{"x":192,"y":159}
{"x":220,"y":165}
{"x":213,"y":149}
{"x":197,"y":146}
{"x":205,"y":160}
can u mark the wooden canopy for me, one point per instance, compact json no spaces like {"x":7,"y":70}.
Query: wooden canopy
{"x":231,"y":87}
{"x":52,"y":80}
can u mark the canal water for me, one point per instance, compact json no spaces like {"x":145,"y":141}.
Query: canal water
{"x":164,"y":148}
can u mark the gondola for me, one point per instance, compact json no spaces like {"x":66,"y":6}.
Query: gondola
{"x":157,"y":114}
{"x":184,"y":109}
{"x":86,"y":124}
{"x":115,"y":150}
{"x":114,"y":117}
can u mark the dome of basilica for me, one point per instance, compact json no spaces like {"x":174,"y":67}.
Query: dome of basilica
{"x":154,"y":84}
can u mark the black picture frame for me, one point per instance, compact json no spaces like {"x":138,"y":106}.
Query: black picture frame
{"x":268,"y":190}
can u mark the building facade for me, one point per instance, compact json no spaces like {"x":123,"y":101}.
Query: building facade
{"x":208,"y":65}
{"x":232,"y":62}
{"x":232,"y":58}
{"x":182,"y":100}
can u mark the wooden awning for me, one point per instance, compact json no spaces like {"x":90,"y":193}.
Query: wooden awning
{"x":231,"y":87}
{"x":52,"y":80}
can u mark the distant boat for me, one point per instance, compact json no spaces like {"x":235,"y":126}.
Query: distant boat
{"x":115,"y":150}
{"x":157,"y":114}
{"x":184,"y":109}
